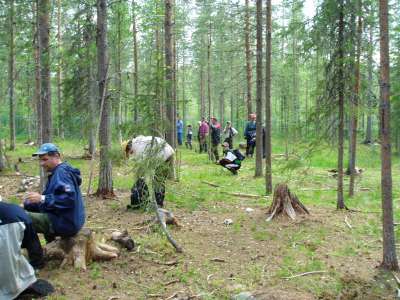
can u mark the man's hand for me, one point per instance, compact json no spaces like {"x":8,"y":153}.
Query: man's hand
{"x":33,"y":197}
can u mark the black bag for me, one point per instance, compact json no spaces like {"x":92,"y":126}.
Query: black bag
{"x":238,"y":154}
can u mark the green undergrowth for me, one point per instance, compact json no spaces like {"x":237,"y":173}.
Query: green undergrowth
{"x":305,"y":248}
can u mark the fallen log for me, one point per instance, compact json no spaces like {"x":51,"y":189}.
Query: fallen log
{"x":80,"y":250}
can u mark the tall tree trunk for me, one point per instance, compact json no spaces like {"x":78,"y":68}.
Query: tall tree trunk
{"x":209,"y":86}
{"x":158,"y":103}
{"x":354,"y":106}
{"x":202,"y":96}
{"x":11,"y":74}
{"x":259,"y":137}
{"x":389,"y":260}
{"x":341,"y":85}
{"x":221,"y":107}
{"x":268,"y":124}
{"x":135,"y":62}
{"x":60,"y":109}
{"x":169,"y":75}
{"x":105,"y":186}
{"x":91,"y":90}
{"x":118,"y":104}
{"x":37,"y":100}
{"x":45,"y":84}
{"x":248,"y":58}
{"x":370,"y":95}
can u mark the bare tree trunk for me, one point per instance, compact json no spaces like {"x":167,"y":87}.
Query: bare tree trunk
{"x":368,"y":133}
{"x":202,"y":96}
{"x":38,"y":101}
{"x":105,"y":186}
{"x":11,"y":74}
{"x":354,"y":106}
{"x":248,"y":58}
{"x":44,"y":54}
{"x":118,"y":105}
{"x":209,"y":86}
{"x":135,"y":61}
{"x":221,"y":107}
{"x":169,"y":75}
{"x":259,"y":137}
{"x":60,"y":109}
{"x":268,"y":124}
{"x":389,"y":260}
{"x":341,"y":84}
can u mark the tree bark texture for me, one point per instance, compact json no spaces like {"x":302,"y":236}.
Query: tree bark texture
{"x":105,"y":186}
{"x":268,"y":123}
{"x":169,"y":75}
{"x":135,"y":61}
{"x":259,"y":136}
{"x":341,"y":85}
{"x":354,"y":104}
{"x":248,"y":58}
{"x":11,"y":74}
{"x":38,"y":102}
{"x":45,"y":84}
{"x":389,"y":260}
{"x":60,"y":108}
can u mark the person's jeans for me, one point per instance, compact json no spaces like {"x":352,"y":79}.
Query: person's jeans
{"x":180,"y":136}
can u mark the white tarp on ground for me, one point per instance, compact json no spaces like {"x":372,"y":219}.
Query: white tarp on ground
{"x":16,"y":274}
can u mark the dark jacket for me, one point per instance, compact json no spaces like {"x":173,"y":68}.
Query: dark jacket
{"x":250,"y":130}
{"x":215,"y":133}
{"x":63,"y":200}
{"x":11,"y":214}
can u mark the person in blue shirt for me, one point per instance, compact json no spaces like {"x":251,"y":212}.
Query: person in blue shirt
{"x":179,"y":130}
{"x":59,"y":209}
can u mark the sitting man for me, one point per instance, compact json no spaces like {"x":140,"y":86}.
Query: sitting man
{"x":17,"y":275}
{"x":232,"y":159}
{"x":59,"y":210}
{"x":148,"y":147}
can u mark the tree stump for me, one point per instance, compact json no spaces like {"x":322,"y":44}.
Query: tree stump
{"x":284,"y":202}
{"x":80,"y":250}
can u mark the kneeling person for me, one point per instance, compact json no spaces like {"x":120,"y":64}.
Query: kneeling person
{"x":232,"y":159}
{"x":59,"y":210}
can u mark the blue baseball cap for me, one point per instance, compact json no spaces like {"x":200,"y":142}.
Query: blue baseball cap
{"x":46,"y":148}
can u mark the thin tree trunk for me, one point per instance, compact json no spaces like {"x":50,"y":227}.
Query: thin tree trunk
{"x":209,"y":86}
{"x":105,"y":185}
{"x":135,"y":62}
{"x":118,"y":105}
{"x":169,"y":74}
{"x":11,"y":75}
{"x":389,"y":260}
{"x":368,"y":133}
{"x":248,"y":59}
{"x":59,"y":75}
{"x":37,"y":100}
{"x":259,"y":137}
{"x":202,"y":96}
{"x":341,"y":84}
{"x":44,"y":54}
{"x":354,"y":106}
{"x":268,"y":124}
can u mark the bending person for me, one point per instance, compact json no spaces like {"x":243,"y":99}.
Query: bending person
{"x":148,"y":147}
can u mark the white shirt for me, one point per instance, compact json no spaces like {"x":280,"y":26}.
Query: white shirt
{"x":141,"y":147}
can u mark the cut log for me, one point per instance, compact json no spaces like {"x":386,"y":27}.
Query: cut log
{"x":80,"y":250}
{"x":286,"y":203}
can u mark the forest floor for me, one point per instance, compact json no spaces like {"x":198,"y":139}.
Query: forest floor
{"x":251,"y":254}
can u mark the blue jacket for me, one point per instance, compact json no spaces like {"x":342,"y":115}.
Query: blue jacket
{"x":250,"y":130}
{"x":63,"y":200}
